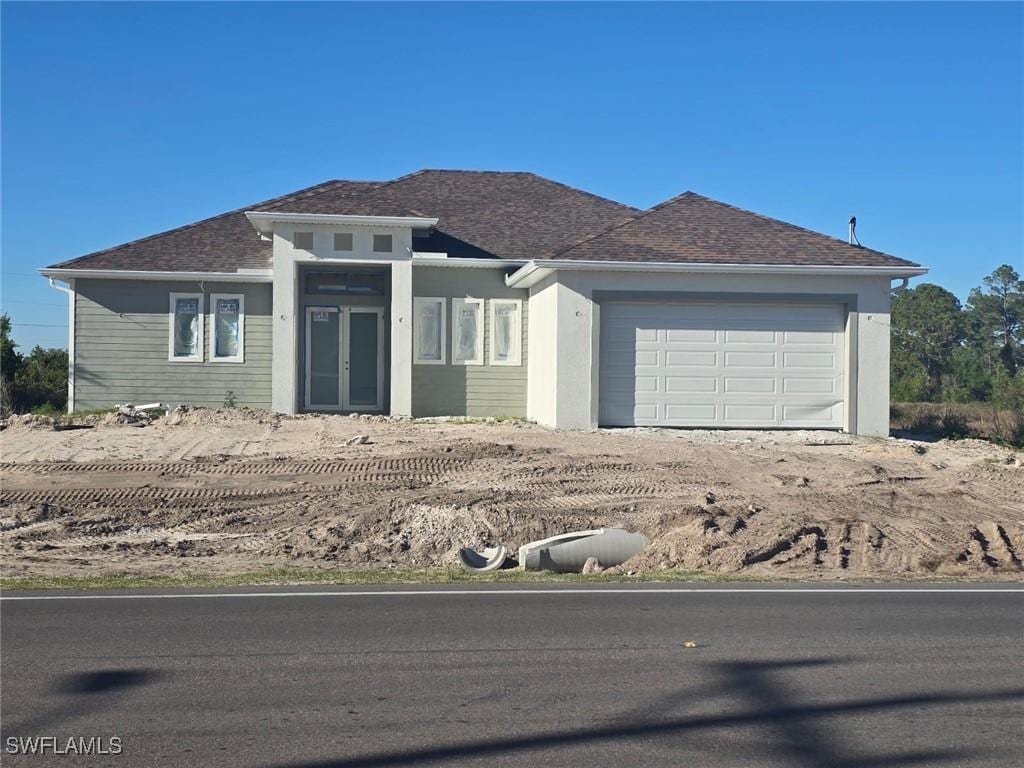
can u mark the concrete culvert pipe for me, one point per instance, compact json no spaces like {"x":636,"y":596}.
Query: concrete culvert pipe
{"x":569,"y":553}
{"x":490,"y":559}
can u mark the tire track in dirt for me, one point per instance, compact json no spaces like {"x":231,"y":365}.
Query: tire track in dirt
{"x":866,"y":510}
{"x":356,"y":467}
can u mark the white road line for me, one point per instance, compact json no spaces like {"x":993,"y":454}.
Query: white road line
{"x":448,"y":592}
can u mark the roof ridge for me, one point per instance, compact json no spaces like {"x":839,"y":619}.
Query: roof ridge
{"x":773,"y":220}
{"x":630,"y":220}
{"x":584,"y":192}
{"x":302,"y":194}
{"x":308,"y":191}
{"x":405,"y":177}
{"x":691,"y":194}
{"x":385,"y":184}
{"x":472,"y":170}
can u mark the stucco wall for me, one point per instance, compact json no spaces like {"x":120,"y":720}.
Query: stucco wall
{"x":121,"y":347}
{"x":288,"y":317}
{"x":470,"y":390}
{"x":571,"y":401}
{"x":541,"y":404}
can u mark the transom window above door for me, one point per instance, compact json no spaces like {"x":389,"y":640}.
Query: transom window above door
{"x":348,"y":283}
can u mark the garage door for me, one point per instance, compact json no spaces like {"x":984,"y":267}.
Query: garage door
{"x":721,"y":365}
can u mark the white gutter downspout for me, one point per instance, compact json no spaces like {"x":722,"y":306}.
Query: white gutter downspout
{"x":896,"y":290}
{"x":70,"y":291}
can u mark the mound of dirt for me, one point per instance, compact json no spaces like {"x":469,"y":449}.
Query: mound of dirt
{"x":194,"y":416}
{"x":231,"y":490}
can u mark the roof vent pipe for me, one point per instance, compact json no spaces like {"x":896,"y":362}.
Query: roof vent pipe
{"x":853,"y":231}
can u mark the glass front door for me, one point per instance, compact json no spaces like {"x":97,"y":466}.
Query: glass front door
{"x":344,"y":358}
{"x":323,"y":357}
{"x":364,"y":363}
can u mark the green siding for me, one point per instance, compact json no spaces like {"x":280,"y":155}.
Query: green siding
{"x":121,"y":347}
{"x":469,"y":390}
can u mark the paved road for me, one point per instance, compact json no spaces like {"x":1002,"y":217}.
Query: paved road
{"x":507,"y":677}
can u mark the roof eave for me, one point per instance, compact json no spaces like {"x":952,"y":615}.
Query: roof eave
{"x":264,"y":221}
{"x":534,"y":271}
{"x":240,"y":276}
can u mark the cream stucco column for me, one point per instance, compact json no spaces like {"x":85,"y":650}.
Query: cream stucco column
{"x":284,"y":374}
{"x":872,"y":360}
{"x":561,"y":384}
{"x":401,"y":338}
{"x":575,"y":390}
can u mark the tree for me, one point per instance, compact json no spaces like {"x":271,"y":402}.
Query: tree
{"x":10,"y":360}
{"x":10,"y":364}
{"x":968,"y":379}
{"x":926,"y":329}
{"x":909,"y":379}
{"x":42,"y":380}
{"x":995,"y":319}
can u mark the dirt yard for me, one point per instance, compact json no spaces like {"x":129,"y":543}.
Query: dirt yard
{"x":225,"y":492}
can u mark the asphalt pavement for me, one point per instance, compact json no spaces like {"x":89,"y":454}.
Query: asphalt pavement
{"x":723,"y":675}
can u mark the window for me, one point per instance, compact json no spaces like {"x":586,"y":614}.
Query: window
{"x":382,"y":243}
{"x":366,"y":283}
{"x":359,"y":283}
{"x":428,"y":332}
{"x":227,"y":340}
{"x":467,"y":332}
{"x":343,"y":241}
{"x":186,"y":327}
{"x":303,"y":241}
{"x":506,"y":332}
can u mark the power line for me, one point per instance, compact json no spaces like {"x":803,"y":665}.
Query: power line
{"x":33,"y":303}
{"x":38,"y":325}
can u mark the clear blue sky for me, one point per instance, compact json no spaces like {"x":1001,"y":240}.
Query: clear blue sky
{"x":122,"y":120}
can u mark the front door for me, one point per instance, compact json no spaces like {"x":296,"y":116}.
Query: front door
{"x":344,"y":358}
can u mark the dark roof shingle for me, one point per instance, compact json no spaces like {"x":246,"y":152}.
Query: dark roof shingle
{"x":482,"y":214}
{"x":508,"y":215}
{"x":694,"y":229}
{"x":223,"y":243}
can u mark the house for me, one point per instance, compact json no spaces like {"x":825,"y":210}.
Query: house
{"x":470,"y":293}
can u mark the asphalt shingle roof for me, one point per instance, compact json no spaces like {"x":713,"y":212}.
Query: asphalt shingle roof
{"x":223,"y":243}
{"x":482,"y":214}
{"x":509,"y":215}
{"x":694,"y":229}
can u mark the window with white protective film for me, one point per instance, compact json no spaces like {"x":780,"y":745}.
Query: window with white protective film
{"x":227,"y":344}
{"x":467,"y":332}
{"x":506,"y":332}
{"x":186,"y":327}
{"x":429,"y":330}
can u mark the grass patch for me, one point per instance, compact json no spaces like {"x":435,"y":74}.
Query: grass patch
{"x":959,"y":420}
{"x":269,"y":577}
{"x":89,"y":413}
{"x":341,"y":577}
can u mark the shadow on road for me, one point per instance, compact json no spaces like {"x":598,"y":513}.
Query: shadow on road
{"x":79,"y":693}
{"x":797,"y":734}
{"x":104,"y":680}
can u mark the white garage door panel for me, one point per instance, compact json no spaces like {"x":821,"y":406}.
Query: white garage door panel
{"x":725,"y":365}
{"x":752,"y":384}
